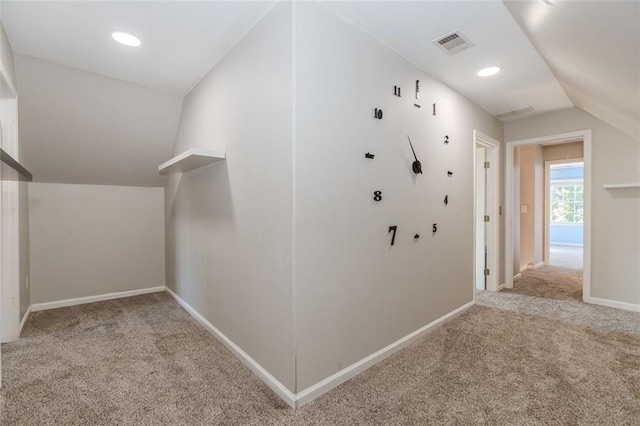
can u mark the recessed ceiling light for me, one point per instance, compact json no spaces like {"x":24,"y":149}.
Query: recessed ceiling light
{"x":486,"y":72}
{"x":126,"y":39}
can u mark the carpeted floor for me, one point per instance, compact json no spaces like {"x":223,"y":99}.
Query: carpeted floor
{"x":549,"y":281}
{"x":569,"y":257}
{"x":509,"y":360}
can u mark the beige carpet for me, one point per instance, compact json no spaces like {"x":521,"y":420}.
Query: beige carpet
{"x":144,"y":361}
{"x":549,"y":281}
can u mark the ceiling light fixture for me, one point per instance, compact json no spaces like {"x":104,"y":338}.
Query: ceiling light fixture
{"x":489,"y":71}
{"x":126,"y":39}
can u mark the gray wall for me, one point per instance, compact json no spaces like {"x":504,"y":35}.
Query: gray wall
{"x":615,"y":224}
{"x":89,"y":240}
{"x":229,"y":226}
{"x":354,"y":293}
{"x":84,"y":128}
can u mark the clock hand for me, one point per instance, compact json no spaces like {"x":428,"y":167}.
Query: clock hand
{"x":412,"y":150}
{"x":416,"y":166}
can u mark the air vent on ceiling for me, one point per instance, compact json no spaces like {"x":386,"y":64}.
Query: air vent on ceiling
{"x":453,"y":42}
{"x":515,"y":112}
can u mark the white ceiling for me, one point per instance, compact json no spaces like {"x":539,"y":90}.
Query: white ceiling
{"x":181,"y":40}
{"x":86,"y":128}
{"x":593,"y":48}
{"x":410,"y":27}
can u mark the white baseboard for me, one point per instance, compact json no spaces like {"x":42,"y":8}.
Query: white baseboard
{"x":312,"y":392}
{"x":273,"y":383}
{"x":24,"y":319}
{"x":566,"y":244}
{"x":614,"y":304}
{"x":91,"y":299}
{"x":538,"y":265}
{"x":503,"y":286}
{"x":516,"y":276}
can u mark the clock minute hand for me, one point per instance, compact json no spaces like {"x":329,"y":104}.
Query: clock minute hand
{"x":412,"y":150}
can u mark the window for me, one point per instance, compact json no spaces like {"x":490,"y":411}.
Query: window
{"x":567,"y":203}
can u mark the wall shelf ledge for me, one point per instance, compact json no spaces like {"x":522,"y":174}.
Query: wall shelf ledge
{"x":621,"y":185}
{"x":191,"y":159}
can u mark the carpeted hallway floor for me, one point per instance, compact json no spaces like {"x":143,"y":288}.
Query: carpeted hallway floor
{"x":552,"y":282}
{"x":511,"y":359}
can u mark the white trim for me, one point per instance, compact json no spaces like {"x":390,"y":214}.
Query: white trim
{"x":91,"y":299}
{"x":538,"y":265}
{"x":24,"y":319}
{"x":502,"y":287}
{"x":585,"y":135}
{"x":614,"y":304}
{"x":515,"y":277}
{"x":273,"y":383}
{"x":493,"y":208}
{"x":314,"y":391}
{"x":4,"y":75}
{"x":566,"y":244}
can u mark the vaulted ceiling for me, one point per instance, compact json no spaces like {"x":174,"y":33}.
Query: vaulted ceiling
{"x":554,"y":54}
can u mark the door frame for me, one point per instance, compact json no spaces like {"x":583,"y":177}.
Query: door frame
{"x":547,"y":201}
{"x":492,"y":190}
{"x":585,"y":136}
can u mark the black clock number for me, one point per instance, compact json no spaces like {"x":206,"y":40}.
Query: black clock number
{"x":446,"y":200}
{"x":446,"y":140}
{"x":377,"y":195}
{"x":435,"y":228}
{"x":396,"y":91}
{"x":393,"y":229}
{"x":377,"y":113}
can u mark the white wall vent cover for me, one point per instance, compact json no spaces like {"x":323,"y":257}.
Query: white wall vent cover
{"x":452,"y":43}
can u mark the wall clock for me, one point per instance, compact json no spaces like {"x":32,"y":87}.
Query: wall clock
{"x":416,"y":164}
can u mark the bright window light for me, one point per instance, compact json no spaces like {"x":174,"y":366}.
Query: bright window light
{"x":126,"y":39}
{"x":486,"y":72}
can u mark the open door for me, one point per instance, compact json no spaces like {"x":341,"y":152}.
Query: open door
{"x":486,"y":212}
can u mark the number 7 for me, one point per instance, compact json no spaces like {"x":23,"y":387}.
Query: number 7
{"x":393,"y":228}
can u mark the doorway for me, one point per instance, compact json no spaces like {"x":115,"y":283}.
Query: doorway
{"x":572,"y":203}
{"x":486,"y":153}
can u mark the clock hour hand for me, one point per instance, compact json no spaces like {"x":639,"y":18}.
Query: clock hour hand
{"x":416,"y":166}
